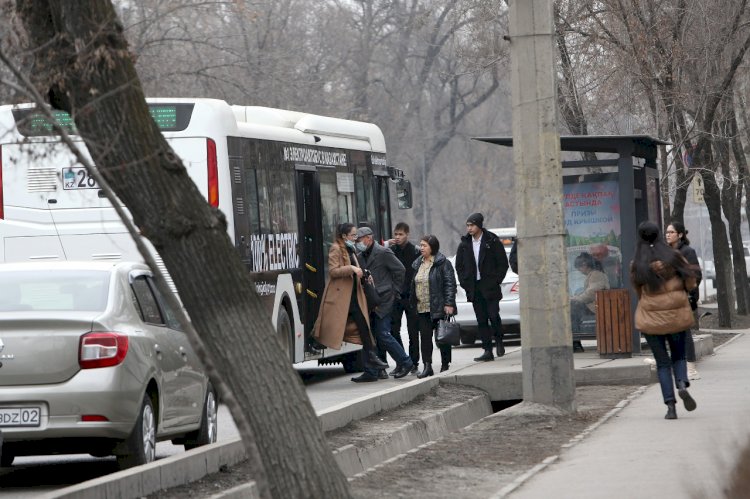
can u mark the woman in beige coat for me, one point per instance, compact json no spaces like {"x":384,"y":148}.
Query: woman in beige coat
{"x":662,"y":278}
{"x":344,"y":306}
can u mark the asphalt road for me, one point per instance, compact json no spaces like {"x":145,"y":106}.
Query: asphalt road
{"x":326,"y":386}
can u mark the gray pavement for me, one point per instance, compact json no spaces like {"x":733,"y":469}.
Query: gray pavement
{"x":638,"y":453}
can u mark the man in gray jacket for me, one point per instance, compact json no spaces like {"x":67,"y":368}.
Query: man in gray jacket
{"x":387,"y":274}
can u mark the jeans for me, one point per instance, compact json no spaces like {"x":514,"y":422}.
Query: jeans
{"x":381,"y":329}
{"x":411,"y":326}
{"x":426,"y":328}
{"x":669,"y":363}
{"x":487,"y":311}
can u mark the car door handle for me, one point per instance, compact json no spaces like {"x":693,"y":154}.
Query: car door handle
{"x":183,"y":353}
{"x":157,"y":349}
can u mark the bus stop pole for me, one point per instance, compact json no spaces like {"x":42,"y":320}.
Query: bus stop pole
{"x":546,"y":340}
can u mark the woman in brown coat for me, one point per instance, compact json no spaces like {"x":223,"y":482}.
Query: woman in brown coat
{"x":662,"y":279}
{"x":344,"y":301}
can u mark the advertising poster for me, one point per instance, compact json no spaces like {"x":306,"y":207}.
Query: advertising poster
{"x":592,"y":223}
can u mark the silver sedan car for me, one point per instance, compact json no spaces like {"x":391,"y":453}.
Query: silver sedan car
{"x":93,"y":361}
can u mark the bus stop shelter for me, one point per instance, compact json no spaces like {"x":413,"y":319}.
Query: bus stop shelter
{"x":604,"y":200}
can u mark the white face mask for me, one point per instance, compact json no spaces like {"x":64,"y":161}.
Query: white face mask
{"x":361,"y":246}
{"x":350,"y":243}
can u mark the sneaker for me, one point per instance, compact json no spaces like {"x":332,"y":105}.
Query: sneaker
{"x":692,"y":371}
{"x":486,"y":356}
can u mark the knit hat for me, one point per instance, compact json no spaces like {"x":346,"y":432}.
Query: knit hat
{"x":476,"y":219}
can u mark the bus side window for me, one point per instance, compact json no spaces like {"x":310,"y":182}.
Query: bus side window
{"x":283,"y":202}
{"x":264,"y":202}
{"x":251,"y":197}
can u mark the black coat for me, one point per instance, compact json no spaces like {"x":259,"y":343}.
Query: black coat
{"x":493,"y":265}
{"x":388,"y":274}
{"x":692,"y":258}
{"x":442,"y":281}
{"x":513,"y":257}
{"x":406,"y":255}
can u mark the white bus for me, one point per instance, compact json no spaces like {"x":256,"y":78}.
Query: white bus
{"x":283,"y":179}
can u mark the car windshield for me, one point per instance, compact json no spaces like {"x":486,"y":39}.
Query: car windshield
{"x":67,"y":290}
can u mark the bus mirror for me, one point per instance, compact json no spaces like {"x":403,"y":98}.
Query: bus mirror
{"x":403,"y":194}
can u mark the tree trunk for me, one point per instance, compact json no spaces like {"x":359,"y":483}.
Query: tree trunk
{"x":85,"y":68}
{"x":740,"y":276}
{"x":722,"y":260}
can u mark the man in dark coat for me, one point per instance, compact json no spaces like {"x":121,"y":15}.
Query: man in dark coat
{"x":406,"y":253}
{"x":387,"y":274}
{"x":481,"y":265}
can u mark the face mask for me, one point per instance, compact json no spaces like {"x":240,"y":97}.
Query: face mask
{"x":350,"y":244}
{"x":361,"y":246}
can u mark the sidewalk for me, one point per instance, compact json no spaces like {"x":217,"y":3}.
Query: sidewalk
{"x":640,"y":454}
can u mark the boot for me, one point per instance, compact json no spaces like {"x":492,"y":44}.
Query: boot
{"x":500,"y":347}
{"x":444,"y":367}
{"x":687,"y":400}
{"x":427,"y":371}
{"x":671,"y":411}
{"x":373,"y":361}
{"x":487,"y":355}
{"x":692,"y":371}
{"x":414,"y":369}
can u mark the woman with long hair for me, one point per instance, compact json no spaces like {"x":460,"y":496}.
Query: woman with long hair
{"x":662,"y":278}
{"x":433,"y":296}
{"x":676,"y":235}
{"x":344,"y":300}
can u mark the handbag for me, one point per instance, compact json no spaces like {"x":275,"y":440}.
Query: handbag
{"x":448,"y":332}
{"x":371,"y":294}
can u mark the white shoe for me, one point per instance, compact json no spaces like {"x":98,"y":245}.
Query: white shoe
{"x":649,"y":361}
{"x":692,"y":371}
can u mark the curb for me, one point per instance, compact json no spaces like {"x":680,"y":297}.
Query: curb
{"x":197,"y":463}
{"x":356,"y":460}
{"x":515,"y":484}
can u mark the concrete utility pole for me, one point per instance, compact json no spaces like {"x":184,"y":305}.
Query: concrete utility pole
{"x":546,"y":340}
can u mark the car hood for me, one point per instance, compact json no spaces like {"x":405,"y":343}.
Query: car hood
{"x":41,"y":349}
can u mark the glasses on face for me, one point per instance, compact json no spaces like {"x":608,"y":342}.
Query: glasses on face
{"x":671,"y":232}
{"x":352,"y":235}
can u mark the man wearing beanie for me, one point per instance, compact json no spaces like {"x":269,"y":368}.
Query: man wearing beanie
{"x":481,"y":265}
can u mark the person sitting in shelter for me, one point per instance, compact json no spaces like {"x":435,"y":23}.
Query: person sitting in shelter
{"x":607,"y":263}
{"x":583,"y":303}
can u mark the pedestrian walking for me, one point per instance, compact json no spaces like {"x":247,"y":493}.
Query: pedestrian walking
{"x":481,"y":264}
{"x":433,"y":296}
{"x":676,"y":235}
{"x":406,"y":253}
{"x":387,"y":275}
{"x":343,"y":300}
{"x":662,"y":278}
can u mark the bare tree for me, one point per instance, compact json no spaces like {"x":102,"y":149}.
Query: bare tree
{"x":81,"y":62}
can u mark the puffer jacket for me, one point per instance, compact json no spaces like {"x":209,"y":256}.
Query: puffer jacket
{"x":442,"y":281}
{"x":667,"y":310}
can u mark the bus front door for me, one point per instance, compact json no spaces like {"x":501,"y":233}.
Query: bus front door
{"x":311,"y":249}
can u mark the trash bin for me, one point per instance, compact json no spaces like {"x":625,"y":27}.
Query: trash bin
{"x":614,"y":324}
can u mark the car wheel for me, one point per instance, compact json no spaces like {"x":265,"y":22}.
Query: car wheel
{"x":206,"y":434}
{"x":141,"y":443}
{"x":6,"y":458}
{"x":352,"y":362}
{"x":284,"y":332}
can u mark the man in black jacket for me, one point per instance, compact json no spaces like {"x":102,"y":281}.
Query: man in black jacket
{"x":481,"y":265}
{"x":388,"y":276}
{"x":406,"y":253}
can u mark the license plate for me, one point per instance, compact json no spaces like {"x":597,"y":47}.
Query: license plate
{"x":75,"y":178}
{"x":20,"y":416}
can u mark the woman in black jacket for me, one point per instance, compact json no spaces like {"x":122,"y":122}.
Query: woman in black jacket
{"x":433,"y":296}
{"x":676,"y":235}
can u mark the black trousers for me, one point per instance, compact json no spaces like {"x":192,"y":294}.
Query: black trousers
{"x":426,"y":328}
{"x":411,"y":325}
{"x":355,"y":313}
{"x":488,"y":318}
